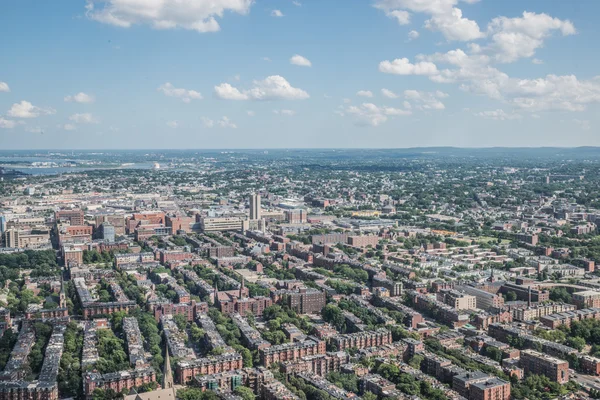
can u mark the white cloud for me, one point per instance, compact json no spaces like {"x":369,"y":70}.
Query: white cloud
{"x":80,"y":98}
{"x":444,"y":16}
{"x":454,"y":27}
{"x":276,"y":13}
{"x":475,"y":74}
{"x":25,"y":109}
{"x":227,"y":92}
{"x":224,"y":122}
{"x":514,"y":38}
{"x":537,"y":61}
{"x":370,"y":114}
{"x":250,"y":113}
{"x":412,"y":35}
{"x":288,"y":113}
{"x":583,"y":124}
{"x":4,"y":87}
{"x":364,"y":93}
{"x":172,"y":124}
{"x":207,"y":122}
{"x":273,"y":87}
{"x":69,"y":127}
{"x":402,"y":66}
{"x":296,"y":3}
{"x":426,"y":100}
{"x":300,"y":61}
{"x":266,"y":59}
{"x":83,"y":118}
{"x":403,"y":17}
{"x":184,"y":94}
{"x":498,"y":115}
{"x":388,"y":93}
{"x":196,"y":15}
{"x":7,"y":123}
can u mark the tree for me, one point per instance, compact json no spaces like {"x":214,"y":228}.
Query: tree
{"x":369,"y":396}
{"x":511,"y":296}
{"x":245,"y":393}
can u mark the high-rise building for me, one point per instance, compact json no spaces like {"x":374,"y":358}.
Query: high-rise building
{"x":107,"y":231}
{"x":255,"y":206}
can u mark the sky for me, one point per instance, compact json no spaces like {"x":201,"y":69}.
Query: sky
{"x":205,"y":74}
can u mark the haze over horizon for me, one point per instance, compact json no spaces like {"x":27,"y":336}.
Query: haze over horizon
{"x":242,"y":74}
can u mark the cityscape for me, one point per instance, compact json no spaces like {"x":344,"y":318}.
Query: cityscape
{"x":299,"y":200}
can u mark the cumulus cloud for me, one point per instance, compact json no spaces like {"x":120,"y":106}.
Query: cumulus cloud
{"x":514,"y":38}
{"x":273,"y":87}
{"x":412,"y":35}
{"x":69,"y":127}
{"x":7,"y":123}
{"x":444,"y":17}
{"x":172,"y":124}
{"x":184,"y":94}
{"x":453,"y":26}
{"x":402,"y":66}
{"x":425,"y":100}
{"x":388,"y":93}
{"x":368,"y":114}
{"x":4,"y":87}
{"x":80,"y":98}
{"x":498,"y":115}
{"x":300,"y":61}
{"x":364,"y":93}
{"x":250,"y":113}
{"x":198,"y":15}
{"x":25,"y":109}
{"x":276,"y":13}
{"x":403,"y":17}
{"x":83,"y":118}
{"x":537,"y":61}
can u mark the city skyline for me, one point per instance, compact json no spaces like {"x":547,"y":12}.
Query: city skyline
{"x":288,"y":74}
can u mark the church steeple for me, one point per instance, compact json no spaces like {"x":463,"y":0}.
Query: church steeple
{"x":167,"y":382}
{"x":62,"y":303}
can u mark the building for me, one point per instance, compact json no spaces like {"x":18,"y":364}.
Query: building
{"x":106,"y":231}
{"x":589,"y":365}
{"x":117,"y":381}
{"x":526,"y":293}
{"x":379,"y":386}
{"x":295,"y":216}
{"x":484,"y":300}
{"x":363,"y":240}
{"x":303,"y":300}
{"x":587,"y":299}
{"x":74,"y":217}
{"x":566,"y":318}
{"x":186,"y":370}
{"x":33,"y":239}
{"x":534,"y":362}
{"x":457,"y":300}
{"x":540,"y":310}
{"x":361,"y":340}
{"x":255,"y":207}
{"x":223,"y":224}
{"x":291,"y":351}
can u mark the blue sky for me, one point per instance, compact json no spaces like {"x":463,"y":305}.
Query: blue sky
{"x":105,"y":74}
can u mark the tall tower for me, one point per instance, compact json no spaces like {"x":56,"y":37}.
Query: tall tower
{"x":254,"y":206}
{"x":167,"y":382}
{"x":62,"y":302}
{"x":242,"y":286}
